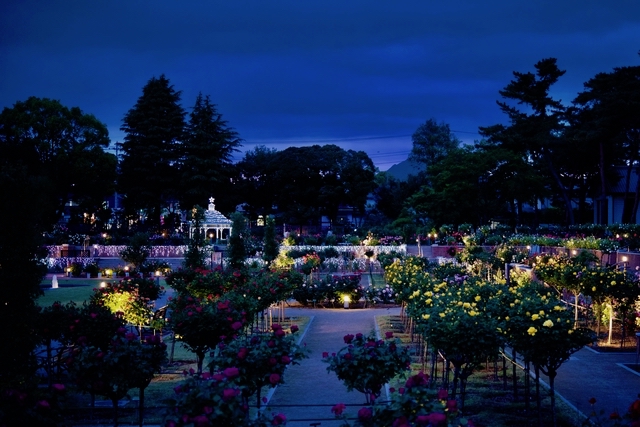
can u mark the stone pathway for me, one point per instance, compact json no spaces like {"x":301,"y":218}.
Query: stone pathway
{"x":310,"y":391}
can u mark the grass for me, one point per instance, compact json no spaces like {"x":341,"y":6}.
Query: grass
{"x":72,"y":290}
{"x":487,"y":402}
{"x":77,"y":294}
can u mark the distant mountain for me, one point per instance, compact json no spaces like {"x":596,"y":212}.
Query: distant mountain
{"x":402,"y":170}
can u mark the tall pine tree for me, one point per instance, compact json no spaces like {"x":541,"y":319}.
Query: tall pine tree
{"x":206,"y":160}
{"x":154,"y":130}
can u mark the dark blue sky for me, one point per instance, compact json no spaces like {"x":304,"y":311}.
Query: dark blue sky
{"x":360,"y":74}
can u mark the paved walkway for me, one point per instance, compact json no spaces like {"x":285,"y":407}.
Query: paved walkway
{"x":310,"y":391}
{"x":308,"y":384}
{"x":602,"y":376}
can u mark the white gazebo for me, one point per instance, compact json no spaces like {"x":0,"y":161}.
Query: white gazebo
{"x":215,"y":225}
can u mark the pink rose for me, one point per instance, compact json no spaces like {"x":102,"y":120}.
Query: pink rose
{"x":365,"y":414}
{"x":231,"y":372}
{"x":339,"y":408}
{"x":236,"y":325}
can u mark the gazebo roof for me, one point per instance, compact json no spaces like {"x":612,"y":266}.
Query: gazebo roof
{"x":214,"y":218}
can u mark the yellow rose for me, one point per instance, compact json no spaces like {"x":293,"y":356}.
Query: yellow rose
{"x":548,"y":323}
{"x":426,"y":316}
{"x":478,"y":298}
{"x":535,"y":317}
{"x":442,"y":315}
{"x":532,"y":331}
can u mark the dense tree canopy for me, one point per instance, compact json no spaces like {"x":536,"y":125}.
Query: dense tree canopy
{"x":154,"y":130}
{"x":432,"y":142}
{"x":305,"y":183}
{"x":206,"y":155}
{"x":64,"y":147}
{"x":607,"y":120}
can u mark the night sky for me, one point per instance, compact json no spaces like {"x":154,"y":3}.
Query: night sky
{"x":360,"y":74}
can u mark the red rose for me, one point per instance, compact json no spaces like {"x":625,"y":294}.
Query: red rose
{"x":278,"y":420}
{"x":236,"y":325}
{"x":242,"y":353}
{"x":294,"y":329}
{"x":339,"y":408}
{"x":231,"y":372}
{"x":365,"y":414}
{"x":274,"y":379}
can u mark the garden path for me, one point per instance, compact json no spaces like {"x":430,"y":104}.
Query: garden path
{"x":310,"y":391}
{"x":601,"y":376}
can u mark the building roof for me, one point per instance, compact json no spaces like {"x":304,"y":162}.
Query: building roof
{"x":212,"y":217}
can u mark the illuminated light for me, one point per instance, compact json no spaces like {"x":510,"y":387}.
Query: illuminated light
{"x":346,"y":300}
{"x":625,"y":259}
{"x":103,"y":284}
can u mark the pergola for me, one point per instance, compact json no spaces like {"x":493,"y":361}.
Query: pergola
{"x":215,"y":225}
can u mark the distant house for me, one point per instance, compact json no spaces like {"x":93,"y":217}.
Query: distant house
{"x":610,"y":211}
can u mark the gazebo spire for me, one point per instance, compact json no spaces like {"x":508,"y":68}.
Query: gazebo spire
{"x":212,"y":206}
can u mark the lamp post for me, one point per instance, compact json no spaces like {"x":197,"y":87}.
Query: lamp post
{"x":158,"y":273}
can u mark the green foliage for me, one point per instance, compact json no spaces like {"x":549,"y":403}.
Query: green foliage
{"x":432,"y":142}
{"x":260,"y":358}
{"x":92,"y":269}
{"x":137,"y":251}
{"x":62,"y":148}
{"x":194,"y":255}
{"x":125,"y":364}
{"x":201,"y":324}
{"x":271,"y":246}
{"x":206,"y":153}
{"x":367,"y":364}
{"x":331,"y":289}
{"x":148,"y":172}
{"x":414,"y":404}
{"x":214,"y":400}
{"x":237,"y":240}
{"x":539,"y":327}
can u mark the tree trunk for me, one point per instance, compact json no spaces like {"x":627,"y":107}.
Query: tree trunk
{"x":115,"y":411}
{"x":552,"y":390}
{"x":576,"y":295}
{"x":141,"y":407}
{"x":563,"y":190}
{"x":538,"y":402}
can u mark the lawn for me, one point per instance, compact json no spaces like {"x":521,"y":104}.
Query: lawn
{"x":71,"y":289}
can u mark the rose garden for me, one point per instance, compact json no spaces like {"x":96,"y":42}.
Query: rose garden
{"x":225,"y":340}
{"x":334,"y":294}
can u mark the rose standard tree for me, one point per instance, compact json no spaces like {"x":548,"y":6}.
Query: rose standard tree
{"x":261,"y":359}
{"x":366,"y":364}
{"x":202,"y":324}
{"x":542,"y":330}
